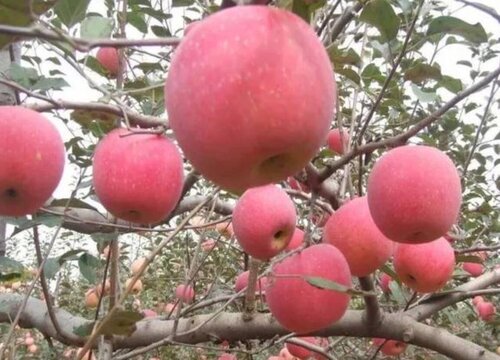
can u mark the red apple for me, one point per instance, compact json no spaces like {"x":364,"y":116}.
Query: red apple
{"x":425,"y":267}
{"x":337,"y":141}
{"x":264,"y":221}
{"x":169,"y":308}
{"x":414,"y":194}
{"x":227,"y":356}
{"x":149,"y":313}
{"x":28,"y":341}
{"x":477,"y":299}
{"x":108,"y":57}
{"x":138,"y":177}
{"x":296,"y":241}
{"x":242,"y":282}
{"x":32,"y":348}
{"x":230,"y":90}
{"x":302,"y":352}
{"x":351,"y":230}
{"x":390,"y":347}
{"x":297,"y":185}
{"x":185,"y":293}
{"x":474,"y":269}
{"x":285,"y":354}
{"x":299,"y":306}
{"x":91,"y":298}
{"x":208,"y":245}
{"x":385,"y":281}
{"x":486,"y":310}
{"x":31,"y":161}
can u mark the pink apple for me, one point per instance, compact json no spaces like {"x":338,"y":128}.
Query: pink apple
{"x":296,"y":241}
{"x":473,"y":269}
{"x":477,"y":299}
{"x":242,"y":282}
{"x":390,"y":347}
{"x":109,"y":59}
{"x":297,"y":185}
{"x":414,"y":194}
{"x":138,"y":177}
{"x":250,"y":96}
{"x":31,"y":160}
{"x":351,"y":230}
{"x":264,"y":221}
{"x":149,"y":313}
{"x":486,"y":311}
{"x":208,"y":245}
{"x":285,"y":354}
{"x":425,"y":267}
{"x":227,"y":356}
{"x":299,"y":306}
{"x":337,"y":141}
{"x":302,"y":352}
{"x":169,"y":308}
{"x":185,"y":293}
{"x":385,"y":281}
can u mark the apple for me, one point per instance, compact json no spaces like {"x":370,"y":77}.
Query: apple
{"x":32,"y":348}
{"x":297,"y":185}
{"x":296,"y":304}
{"x":390,"y":347}
{"x":385,"y":281}
{"x":474,"y":269}
{"x":91,"y":298}
{"x":138,"y":177}
{"x":225,"y":229}
{"x":136,"y":265}
{"x":264,"y":221}
{"x":414,"y":194}
{"x":31,"y":161}
{"x":486,"y":310}
{"x":285,"y":354}
{"x":235,"y":123}
{"x":302,"y":352}
{"x":137,"y":288}
{"x":337,"y":141}
{"x":108,"y":57}
{"x":149,"y":313}
{"x":425,"y":267}
{"x":351,"y":230}
{"x":185,"y":293}
{"x":477,"y":299}
{"x":296,"y":241}
{"x":242,"y":282}
{"x":227,"y":356}
{"x":29,"y":341}
{"x":169,"y":308}
{"x":208,"y":245}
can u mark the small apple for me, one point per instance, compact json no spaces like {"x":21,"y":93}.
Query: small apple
{"x":148,"y":313}
{"x":297,"y":185}
{"x":296,"y":304}
{"x":33,"y":348}
{"x":245,"y":104}
{"x":242,"y":282}
{"x":390,"y":347}
{"x":138,"y":177}
{"x":264,"y":221}
{"x":185,"y":293}
{"x":169,"y":308}
{"x":91,"y":298}
{"x":425,"y":267}
{"x":225,"y":229}
{"x":31,"y":161}
{"x":477,"y":299}
{"x":208,"y":245}
{"x":296,"y":241}
{"x":29,"y":341}
{"x":137,"y":288}
{"x":337,"y":141}
{"x":414,"y":194}
{"x":136,"y":265}
{"x":302,"y":352}
{"x":385,"y":281}
{"x":351,"y":230}
{"x":474,"y":269}
{"x":227,"y":356}
{"x":108,"y":57}
{"x":486,"y":311}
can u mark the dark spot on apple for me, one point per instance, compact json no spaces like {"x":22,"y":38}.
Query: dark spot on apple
{"x":134,"y":213}
{"x":11,"y":193}
{"x":412,"y":278}
{"x":278,"y":234}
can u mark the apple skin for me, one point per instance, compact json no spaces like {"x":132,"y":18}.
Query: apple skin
{"x":242,"y":282}
{"x":391,"y":347}
{"x":476,"y":300}
{"x":425,"y":267}
{"x":136,"y":265}
{"x":31,"y":161}
{"x":185,"y":293}
{"x":229,"y":92}
{"x":486,"y":311}
{"x":108,"y":57}
{"x":303,"y":353}
{"x":299,"y":306}
{"x":227,"y":356}
{"x":138,"y":177}
{"x":296,"y":241}
{"x":351,"y":230}
{"x":385,"y":281}
{"x":336,"y":141}
{"x":474,"y":269}
{"x":414,"y":194}
{"x":264,"y":221}
{"x":148,"y":313}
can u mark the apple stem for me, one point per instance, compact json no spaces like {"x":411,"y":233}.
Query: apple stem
{"x":253,"y":269}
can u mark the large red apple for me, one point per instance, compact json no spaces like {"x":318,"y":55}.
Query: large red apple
{"x":108,"y":57}
{"x":264,"y":221}
{"x":390,"y":347}
{"x":185,"y":293}
{"x":337,"y":141}
{"x":425,"y":267}
{"x":295,"y":303}
{"x":414,"y":194}
{"x":351,"y":230}
{"x":250,"y":95}
{"x":138,"y":177}
{"x":304,"y":353}
{"x":242,"y":282}
{"x":31,"y":160}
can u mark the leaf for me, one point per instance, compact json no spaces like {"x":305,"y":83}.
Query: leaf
{"x":73,"y":203}
{"x":10,"y":270}
{"x":176,"y":3}
{"x":468,"y":258}
{"x":84,"y":330}
{"x":421,"y":72}
{"x":122,"y":322}
{"x":137,"y":20}
{"x":45,"y":84}
{"x":51,"y":267}
{"x":371,"y":73}
{"x":71,"y":12}
{"x":451,"y":25}
{"x":341,"y":57}
{"x":305,"y":8}
{"x":379,"y":13}
{"x":96,"y":27}
{"x":326,"y":284}
{"x":350,"y":74}
{"x":88,"y":265}
{"x":89,"y":119}
{"x":451,"y":84}
{"x":423,"y":96}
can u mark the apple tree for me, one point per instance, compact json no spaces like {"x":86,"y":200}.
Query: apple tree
{"x":303,"y":179}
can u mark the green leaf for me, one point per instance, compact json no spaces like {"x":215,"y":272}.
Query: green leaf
{"x":85,"y":329}
{"x":421,"y":72}
{"x":451,"y":25}
{"x":371,"y":73}
{"x":326,"y":284}
{"x":89,"y":265}
{"x":468,"y":258}
{"x":423,"y":96}
{"x":350,"y":74}
{"x":176,"y":3}
{"x":451,"y":84}
{"x":71,"y":12}
{"x":10,"y":270}
{"x":342,"y":57}
{"x":379,"y":13}
{"x":96,"y":27}
{"x":122,"y":322}
{"x":72,"y":203}
{"x":137,"y":20}
{"x":305,"y":8}
{"x":51,"y":267}
{"x":45,"y":84}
